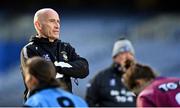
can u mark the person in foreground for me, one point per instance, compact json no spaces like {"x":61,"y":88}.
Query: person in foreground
{"x":106,"y":89}
{"x":45,"y":88}
{"x":152,"y":90}
{"x":47,"y":44}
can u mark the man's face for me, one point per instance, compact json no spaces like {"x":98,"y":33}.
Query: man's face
{"x":121,"y":58}
{"x":50,"y":25}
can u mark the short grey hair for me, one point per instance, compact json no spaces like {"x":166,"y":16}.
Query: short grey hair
{"x":40,"y":12}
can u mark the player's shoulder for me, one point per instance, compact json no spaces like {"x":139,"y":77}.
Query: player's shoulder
{"x":65,"y":44}
{"x":28,"y":45}
{"x":77,"y":100}
{"x":106,"y":72}
{"x":34,"y":100}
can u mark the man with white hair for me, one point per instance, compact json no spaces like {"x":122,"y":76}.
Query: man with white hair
{"x":106,"y":89}
{"x":46,"y":44}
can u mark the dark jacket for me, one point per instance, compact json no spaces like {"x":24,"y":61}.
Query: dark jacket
{"x":57,"y":51}
{"x":107,"y":90}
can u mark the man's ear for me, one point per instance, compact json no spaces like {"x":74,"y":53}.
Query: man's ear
{"x":38,"y":25}
{"x":34,"y":80}
{"x":140,"y":82}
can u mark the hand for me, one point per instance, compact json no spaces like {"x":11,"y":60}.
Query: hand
{"x":59,"y":66}
{"x":127,"y":65}
{"x":58,"y":75}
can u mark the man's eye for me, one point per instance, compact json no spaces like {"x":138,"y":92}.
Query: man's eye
{"x":51,"y":20}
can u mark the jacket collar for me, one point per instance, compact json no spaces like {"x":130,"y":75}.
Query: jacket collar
{"x":116,"y":69}
{"x":43,"y":40}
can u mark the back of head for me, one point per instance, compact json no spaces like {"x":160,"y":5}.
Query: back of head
{"x":122,"y":45}
{"x":135,"y":72}
{"x":43,"y":70}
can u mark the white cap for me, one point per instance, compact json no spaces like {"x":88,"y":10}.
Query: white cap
{"x":123,"y":45}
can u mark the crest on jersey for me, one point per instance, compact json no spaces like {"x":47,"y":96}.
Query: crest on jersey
{"x":46,"y":57}
{"x":64,"y":55}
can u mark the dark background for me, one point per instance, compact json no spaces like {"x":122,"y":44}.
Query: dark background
{"x":17,"y":6}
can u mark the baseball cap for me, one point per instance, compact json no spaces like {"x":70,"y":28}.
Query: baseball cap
{"x":122,"y":45}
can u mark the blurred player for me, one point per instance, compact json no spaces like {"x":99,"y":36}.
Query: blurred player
{"x":152,"y":91}
{"x":45,"y":88}
{"x":107,"y":89}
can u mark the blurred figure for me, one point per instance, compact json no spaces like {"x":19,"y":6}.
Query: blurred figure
{"x":46,"y":44}
{"x":106,"y":89}
{"x":45,"y":89}
{"x":152,"y":91}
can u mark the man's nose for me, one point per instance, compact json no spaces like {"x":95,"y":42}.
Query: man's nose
{"x":130,"y":57}
{"x":57,"y":25}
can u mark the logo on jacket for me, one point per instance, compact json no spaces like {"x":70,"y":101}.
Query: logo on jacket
{"x":46,"y":57}
{"x":64,"y":55}
{"x":112,"y":82}
{"x":122,"y":95}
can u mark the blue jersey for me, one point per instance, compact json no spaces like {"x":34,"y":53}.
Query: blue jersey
{"x":55,"y":97}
